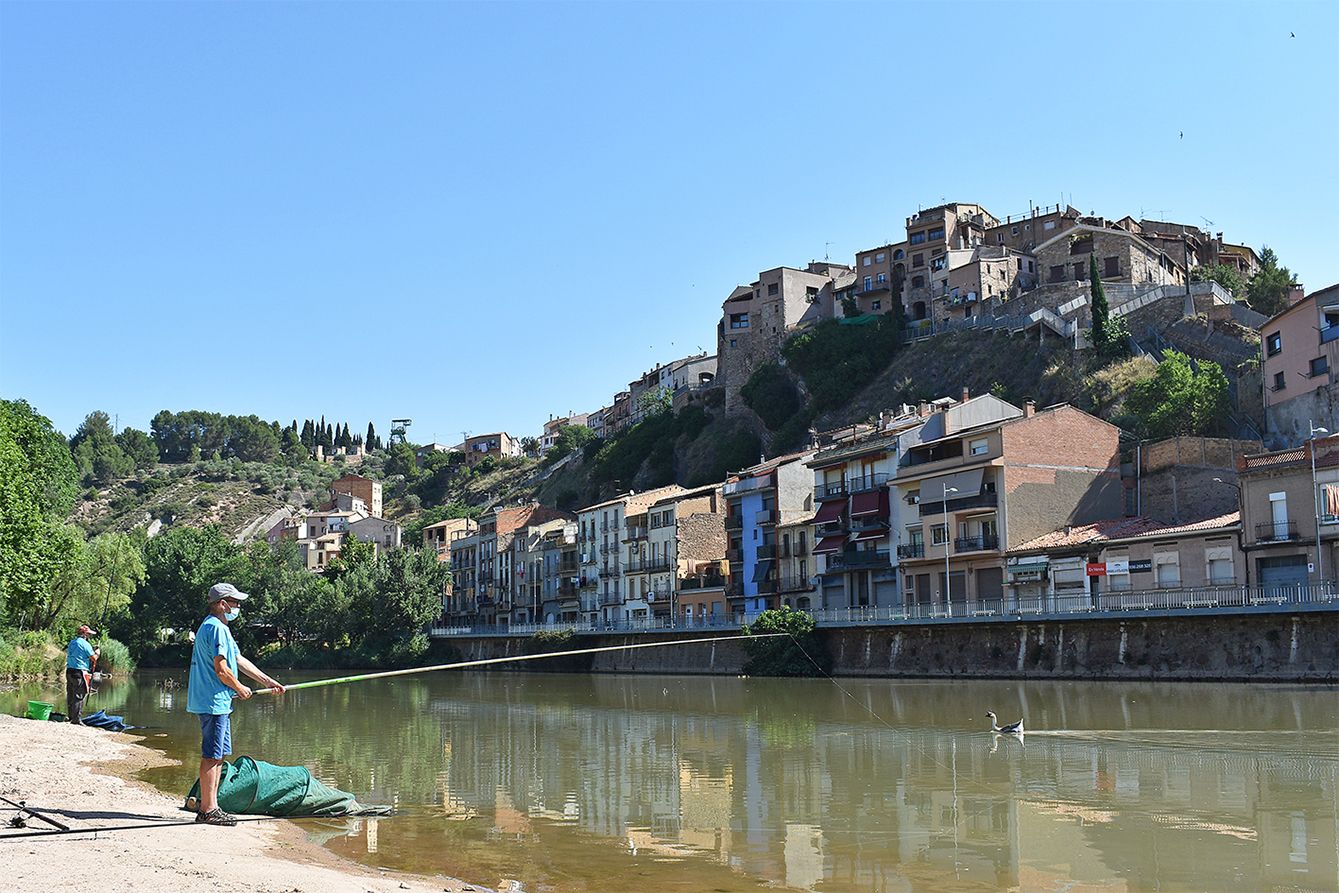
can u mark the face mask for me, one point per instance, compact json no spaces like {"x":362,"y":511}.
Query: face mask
{"x":232,"y":614}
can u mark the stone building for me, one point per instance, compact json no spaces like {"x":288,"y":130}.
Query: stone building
{"x":497,"y":445}
{"x":1122,"y":257}
{"x":757,"y":319}
{"x":1300,"y":356}
{"x":1024,"y":233}
{"x":684,"y":531}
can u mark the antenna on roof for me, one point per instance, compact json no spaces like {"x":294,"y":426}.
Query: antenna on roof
{"x":827,"y":251}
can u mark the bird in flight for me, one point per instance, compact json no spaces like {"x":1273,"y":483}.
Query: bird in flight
{"x":1183,"y":134}
{"x":1291,"y":34}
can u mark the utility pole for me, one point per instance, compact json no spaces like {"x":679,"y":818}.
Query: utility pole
{"x":948,"y":581}
{"x":1315,"y":498}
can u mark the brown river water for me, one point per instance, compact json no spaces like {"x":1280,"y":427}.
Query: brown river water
{"x":555,"y":782}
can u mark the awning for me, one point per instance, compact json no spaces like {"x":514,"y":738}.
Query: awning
{"x":865,"y":503}
{"x":830,"y":544}
{"x":865,"y":536}
{"x":830,"y":511}
{"x":967,"y":483}
{"x":761,"y":570}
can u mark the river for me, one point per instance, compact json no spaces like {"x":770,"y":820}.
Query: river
{"x":665,"y":783}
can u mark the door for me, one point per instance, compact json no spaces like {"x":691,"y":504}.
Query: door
{"x":1278,"y":514}
{"x":1283,"y":570}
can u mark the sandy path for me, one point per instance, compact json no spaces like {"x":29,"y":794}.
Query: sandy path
{"x":52,"y":766}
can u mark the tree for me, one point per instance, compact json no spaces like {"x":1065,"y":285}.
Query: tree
{"x":567,"y":439}
{"x":792,"y":653}
{"x":180,"y":565}
{"x":352,"y":553}
{"x":43,"y":457}
{"x":1101,"y":312}
{"x":530,"y":446}
{"x":294,"y":451}
{"x":308,"y":436}
{"x":401,"y":460}
{"x":393,"y":598}
{"x":372,"y":442}
{"x":1224,"y":275}
{"x":850,"y":307}
{"x":139,"y":447}
{"x":1267,"y":292}
{"x":1183,"y":397}
{"x":95,"y":582}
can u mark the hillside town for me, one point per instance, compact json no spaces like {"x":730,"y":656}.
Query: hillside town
{"x":962,"y":506}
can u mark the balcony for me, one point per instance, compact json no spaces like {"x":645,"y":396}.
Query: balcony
{"x":766,"y":516}
{"x":874,"y":286}
{"x":607,"y":548}
{"x":766,"y":551}
{"x":1329,"y":333}
{"x":607,"y":573}
{"x":658,"y":565}
{"x":867,"y":482}
{"x":976,"y":543}
{"x":831,"y":528}
{"x":610,"y":598}
{"x":858,"y":560}
{"x":734,"y":555}
{"x":984,"y":500}
{"x":868,"y":522}
{"x":746,"y":485}
{"x":834,"y":490}
{"x":734,"y":522}
{"x":795,"y":584}
{"x":767,"y":587}
{"x":1276,"y":532}
{"x":911,"y":550}
{"x":635,"y":532}
{"x":734,"y":590}
{"x":701,"y":581}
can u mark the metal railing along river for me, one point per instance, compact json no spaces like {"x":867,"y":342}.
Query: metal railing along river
{"x":1114,"y":603}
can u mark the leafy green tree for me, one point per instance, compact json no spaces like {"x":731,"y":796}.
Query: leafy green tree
{"x":285,"y":595}
{"x":393,"y":598}
{"x":1226,"y":276}
{"x":1267,"y":292}
{"x":180,"y":565}
{"x":139,"y":447}
{"x":94,"y":582}
{"x":530,"y":446}
{"x":1182,"y":397}
{"x":96,"y":453}
{"x":401,"y":460}
{"x":353,"y":552}
{"x":43,"y":457}
{"x":59,"y":553}
{"x":850,"y":307}
{"x":794,"y":652}
{"x":372,"y":441}
{"x":567,"y":439}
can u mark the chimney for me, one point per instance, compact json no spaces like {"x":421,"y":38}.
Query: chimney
{"x":923,"y":410}
{"x":966,"y":394}
{"x":1029,"y":409}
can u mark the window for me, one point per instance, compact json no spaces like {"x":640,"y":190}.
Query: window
{"x":1069,"y":575}
{"x":1218,"y":567}
{"x":899,"y":254}
{"x":1031,"y":267}
{"x":1013,"y":230}
{"x":917,"y":281}
{"x":938,"y":264}
{"x":869,"y":283}
{"x":734,"y":343}
{"x":1118,"y":579}
{"x":1166,"y":569}
{"x":739,"y":320}
{"x":811,"y":294}
{"x":1057,"y":273}
{"x":1273,"y":344}
{"x":917,"y":238}
{"x":1280,"y":381}
{"x":1080,"y":271}
{"x":867,"y":261}
{"x":1319,"y":366}
{"x":935,"y":234}
{"x":773,"y":289}
{"x":876,"y":306}
{"x":1111,"y":266}
{"x":878,"y":258}
{"x":980,"y":447}
{"x":1049,"y":224}
{"x":938,"y":534}
{"x":883,"y":277}
{"x":804,"y":542}
{"x":999,"y":238}
{"x":918,"y":260}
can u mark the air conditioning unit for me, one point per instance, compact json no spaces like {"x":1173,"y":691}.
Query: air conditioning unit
{"x":650,"y":597}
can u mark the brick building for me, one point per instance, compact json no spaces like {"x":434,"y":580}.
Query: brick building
{"x":439,"y":536}
{"x":497,"y":445}
{"x":1122,"y":256}
{"x":366,"y":489}
{"x":983,"y":477}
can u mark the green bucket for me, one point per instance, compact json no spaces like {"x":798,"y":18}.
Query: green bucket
{"x":40,"y":710}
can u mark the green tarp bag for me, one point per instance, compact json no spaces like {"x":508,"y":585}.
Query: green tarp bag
{"x":254,"y":787}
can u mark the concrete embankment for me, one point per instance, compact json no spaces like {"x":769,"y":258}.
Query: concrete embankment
{"x":1274,"y":647}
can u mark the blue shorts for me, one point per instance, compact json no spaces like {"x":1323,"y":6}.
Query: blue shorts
{"x":216,"y":735}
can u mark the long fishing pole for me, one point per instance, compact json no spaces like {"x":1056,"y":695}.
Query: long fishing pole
{"x":502,"y":660}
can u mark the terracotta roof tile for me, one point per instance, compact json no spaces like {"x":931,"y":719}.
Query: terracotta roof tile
{"x":1121,"y":529}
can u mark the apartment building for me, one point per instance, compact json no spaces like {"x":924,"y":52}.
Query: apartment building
{"x":796,"y":564}
{"x":876,"y":284}
{"x":496,"y":577}
{"x":683,"y":532}
{"x":759,"y":500}
{"x":1024,"y":233}
{"x":380,"y":532}
{"x":366,"y":489}
{"x":756,"y":319}
{"x":439,"y":536}
{"x":854,"y":520}
{"x":463,"y":592}
{"x":1123,"y":555}
{"x":664,"y":379}
{"x":964,"y":282}
{"x":497,"y":445}
{"x":982,"y":476}
{"x":544,"y":571}
{"x":1289,"y":526}
{"x":1300,"y":356}
{"x":608,"y":591}
{"x":549,"y":436}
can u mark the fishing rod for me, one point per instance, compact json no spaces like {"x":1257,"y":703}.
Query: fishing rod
{"x":137,"y":826}
{"x":502,"y":660}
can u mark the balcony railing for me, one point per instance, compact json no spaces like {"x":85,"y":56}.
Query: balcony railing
{"x":610,"y":598}
{"x":984,"y":500}
{"x":867,"y":482}
{"x":766,"y":551}
{"x":767,"y":587}
{"x":795,"y":584}
{"x":658,"y":565}
{"x":976,"y":543}
{"x":858,"y":559}
{"x":637,"y":532}
{"x":766,"y":516}
{"x":834,"y":490}
{"x":911,"y":550}
{"x":707,"y":581}
{"x":735,"y":555}
{"x":734,"y":522}
{"x":1276,"y":532}
{"x":1323,"y":596}
{"x":609,"y":572}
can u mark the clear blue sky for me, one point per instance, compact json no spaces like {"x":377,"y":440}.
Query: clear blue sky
{"x":475,"y":215}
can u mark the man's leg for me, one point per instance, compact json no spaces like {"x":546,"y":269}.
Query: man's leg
{"x":76,"y":689}
{"x":215,"y":744}
{"x":210,"y":773}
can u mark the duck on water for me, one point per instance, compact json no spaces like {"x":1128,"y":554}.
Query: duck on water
{"x":1013,"y":728}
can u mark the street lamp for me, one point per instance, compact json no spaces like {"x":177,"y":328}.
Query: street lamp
{"x":948,"y":583}
{"x":1315,"y":499}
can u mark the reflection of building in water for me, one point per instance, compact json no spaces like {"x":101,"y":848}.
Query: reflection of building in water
{"x":819,"y":797}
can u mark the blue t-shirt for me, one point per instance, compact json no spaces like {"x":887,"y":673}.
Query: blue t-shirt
{"x":205,"y":693}
{"x":79,"y":653}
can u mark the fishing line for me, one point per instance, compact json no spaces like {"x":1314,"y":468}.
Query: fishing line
{"x":176,"y":824}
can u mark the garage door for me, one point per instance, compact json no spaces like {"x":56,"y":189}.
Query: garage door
{"x":1283,"y":570}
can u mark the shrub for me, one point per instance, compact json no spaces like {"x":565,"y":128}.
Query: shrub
{"x":837,"y":359}
{"x":115,"y":656}
{"x":795,"y":653}
{"x":771,"y":394}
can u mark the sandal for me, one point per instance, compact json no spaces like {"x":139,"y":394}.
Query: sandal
{"x":215,"y":816}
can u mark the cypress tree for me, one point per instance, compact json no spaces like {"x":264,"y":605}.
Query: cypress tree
{"x":308,"y":437}
{"x":1101,"y":312}
{"x":371,"y":440}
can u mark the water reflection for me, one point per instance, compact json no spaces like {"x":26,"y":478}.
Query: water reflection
{"x":572,"y":782}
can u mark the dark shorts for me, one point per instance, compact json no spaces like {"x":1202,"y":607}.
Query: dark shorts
{"x":215,"y":735}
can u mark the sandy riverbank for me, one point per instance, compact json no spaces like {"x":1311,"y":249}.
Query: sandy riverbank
{"x":83,"y":777}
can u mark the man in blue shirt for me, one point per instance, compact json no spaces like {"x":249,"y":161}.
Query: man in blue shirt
{"x":80,"y":658}
{"x":213,"y":684}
